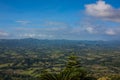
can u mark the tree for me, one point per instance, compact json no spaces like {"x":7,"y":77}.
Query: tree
{"x":74,"y":66}
{"x":73,"y":71}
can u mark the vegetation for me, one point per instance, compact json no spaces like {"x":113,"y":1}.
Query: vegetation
{"x":73,"y":71}
{"x":33,"y":59}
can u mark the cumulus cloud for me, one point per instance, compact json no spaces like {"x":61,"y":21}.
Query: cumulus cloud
{"x":104,"y":11}
{"x":23,"y":22}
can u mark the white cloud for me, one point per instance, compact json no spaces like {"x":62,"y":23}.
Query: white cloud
{"x":55,"y":26}
{"x":35,"y":35}
{"x":3,"y":34}
{"x":28,"y":35}
{"x":110,"y":32}
{"x":89,"y":27}
{"x":53,"y":23}
{"x":90,"y":30}
{"x":23,"y":22}
{"x":103,"y":11}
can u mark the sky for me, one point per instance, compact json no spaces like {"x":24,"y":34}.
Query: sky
{"x":60,"y":19}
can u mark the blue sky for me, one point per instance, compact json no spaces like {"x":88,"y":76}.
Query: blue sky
{"x":60,"y":19}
